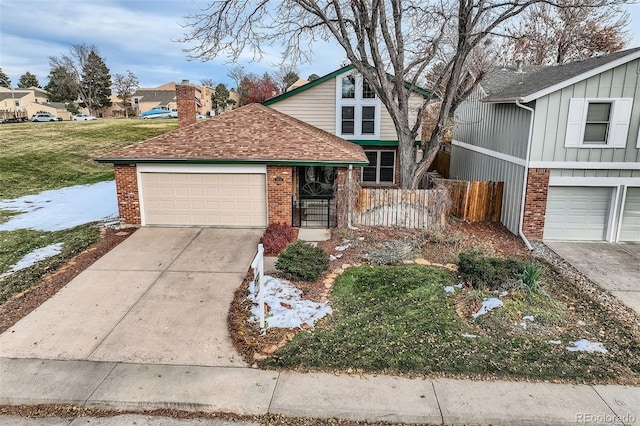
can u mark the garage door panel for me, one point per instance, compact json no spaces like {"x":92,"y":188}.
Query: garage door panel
{"x":577,"y":213}
{"x":630,"y":225}
{"x":204,"y":199}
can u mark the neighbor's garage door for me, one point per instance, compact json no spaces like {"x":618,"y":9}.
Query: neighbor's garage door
{"x":215,"y":199}
{"x":577,"y":213}
{"x":630,"y":228}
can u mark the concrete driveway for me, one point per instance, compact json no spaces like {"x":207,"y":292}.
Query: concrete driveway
{"x":160,"y":297}
{"x":615,"y":267}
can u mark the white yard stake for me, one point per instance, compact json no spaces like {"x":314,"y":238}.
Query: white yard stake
{"x":258,"y":279}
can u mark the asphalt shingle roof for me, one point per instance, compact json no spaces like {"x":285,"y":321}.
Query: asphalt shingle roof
{"x":162,"y":97}
{"x":526,"y":84}
{"x":253,"y":133}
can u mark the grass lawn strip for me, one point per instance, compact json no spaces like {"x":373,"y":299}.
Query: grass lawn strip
{"x":16,"y":244}
{"x":399,"y":319}
{"x":41,"y":156}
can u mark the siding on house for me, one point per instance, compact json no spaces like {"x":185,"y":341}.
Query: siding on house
{"x":470,"y":165}
{"x":552,"y":112}
{"x":596,"y":173}
{"x":315,"y":106}
{"x":502,"y":128}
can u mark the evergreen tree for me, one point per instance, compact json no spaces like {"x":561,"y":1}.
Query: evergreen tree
{"x":4,"y":80}
{"x":96,"y":82}
{"x":220,"y":98}
{"x":313,"y":76}
{"x":61,"y":86}
{"x":28,"y":80}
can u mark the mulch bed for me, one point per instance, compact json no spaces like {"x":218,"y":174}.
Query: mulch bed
{"x":21,"y":304}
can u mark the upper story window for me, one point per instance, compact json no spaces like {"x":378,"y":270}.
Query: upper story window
{"x":357,"y":108}
{"x":598,"y":123}
{"x":16,"y":102}
{"x":596,"y":128}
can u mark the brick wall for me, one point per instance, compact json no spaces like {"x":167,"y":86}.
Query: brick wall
{"x":279,"y":192}
{"x":535,"y":204}
{"x":186,"y":103}
{"x":127,"y":191}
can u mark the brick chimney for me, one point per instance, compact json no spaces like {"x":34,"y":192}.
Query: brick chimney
{"x":186,"y":101}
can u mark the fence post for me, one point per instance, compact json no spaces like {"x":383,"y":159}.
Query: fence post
{"x":258,"y":279}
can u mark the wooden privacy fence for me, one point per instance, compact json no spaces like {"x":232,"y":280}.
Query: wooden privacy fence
{"x":420,"y":208}
{"x":476,"y":201}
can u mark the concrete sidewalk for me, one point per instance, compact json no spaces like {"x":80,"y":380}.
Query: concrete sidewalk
{"x":123,"y":386}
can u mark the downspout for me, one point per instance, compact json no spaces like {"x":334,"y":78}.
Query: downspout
{"x":349,"y":183}
{"x":526,"y":175}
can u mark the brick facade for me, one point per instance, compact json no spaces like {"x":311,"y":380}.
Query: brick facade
{"x":127,"y":190}
{"x":186,"y":103}
{"x":279,"y":192}
{"x":535,"y":204}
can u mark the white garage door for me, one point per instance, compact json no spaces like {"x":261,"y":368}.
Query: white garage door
{"x":630,"y":228}
{"x":209,"y":199}
{"x":577,"y":213}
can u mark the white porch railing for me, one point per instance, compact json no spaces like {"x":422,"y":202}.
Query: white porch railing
{"x":258,"y":280}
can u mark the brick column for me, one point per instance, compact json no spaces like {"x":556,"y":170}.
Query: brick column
{"x":279,"y":192}
{"x":127,"y":190}
{"x":535,"y":204}
{"x":186,"y":102}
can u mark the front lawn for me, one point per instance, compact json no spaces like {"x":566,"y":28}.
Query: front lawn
{"x":400,"y":320}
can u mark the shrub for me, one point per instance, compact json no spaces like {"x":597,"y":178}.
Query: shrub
{"x":488,"y":272}
{"x":276,"y":237}
{"x":301,"y":261}
{"x":530,"y":277}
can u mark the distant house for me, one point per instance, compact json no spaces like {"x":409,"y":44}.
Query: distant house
{"x":27,"y":102}
{"x":564,"y":139}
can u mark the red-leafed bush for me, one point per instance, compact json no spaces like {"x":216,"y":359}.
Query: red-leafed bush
{"x":276,"y":238}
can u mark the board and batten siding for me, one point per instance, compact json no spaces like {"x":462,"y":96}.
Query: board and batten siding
{"x":470,"y":165}
{"x":552,"y":113}
{"x":502,"y":128}
{"x":315,"y":106}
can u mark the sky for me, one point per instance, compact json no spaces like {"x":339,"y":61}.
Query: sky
{"x":138,"y":35}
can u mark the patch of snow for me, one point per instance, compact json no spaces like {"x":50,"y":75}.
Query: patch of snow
{"x":64,"y":208}
{"x":555,"y":342}
{"x":583,"y":345}
{"x":337,"y":256}
{"x":580,"y":322}
{"x":449,"y":289}
{"x":488,"y":305}
{"x":34,"y":257}
{"x":469,"y":336}
{"x":459,"y":285}
{"x":343,"y":247}
{"x":360,"y":238}
{"x":286,"y":308}
{"x":503,"y":294}
{"x":528,"y":318}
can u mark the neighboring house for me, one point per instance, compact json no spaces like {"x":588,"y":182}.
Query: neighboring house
{"x":27,"y":102}
{"x":343,"y":104}
{"x":564,"y":139}
{"x":237,"y":169}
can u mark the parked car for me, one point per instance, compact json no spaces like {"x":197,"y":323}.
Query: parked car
{"x":45,"y":117}
{"x":159,"y":113}
{"x":83,"y":117}
{"x":198,"y":115}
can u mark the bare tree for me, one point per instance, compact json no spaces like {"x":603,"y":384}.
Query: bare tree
{"x":548,"y":34}
{"x":237,"y":74}
{"x":208,"y":82}
{"x":406,"y":38}
{"x":285,"y":76}
{"x":125,"y":87}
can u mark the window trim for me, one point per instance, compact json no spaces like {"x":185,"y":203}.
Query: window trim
{"x":357,"y":102}
{"x":617,"y":129}
{"x":378,"y":167}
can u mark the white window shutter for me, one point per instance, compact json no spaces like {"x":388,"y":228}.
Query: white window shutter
{"x":620,"y":122}
{"x":575,"y":122}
